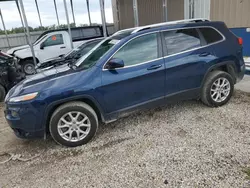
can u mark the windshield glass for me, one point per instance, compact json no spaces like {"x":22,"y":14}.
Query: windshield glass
{"x":96,"y":53}
{"x":36,"y":42}
{"x":81,"y":50}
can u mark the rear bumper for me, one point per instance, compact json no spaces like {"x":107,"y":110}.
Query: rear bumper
{"x":241,"y":73}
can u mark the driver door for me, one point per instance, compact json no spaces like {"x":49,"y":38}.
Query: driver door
{"x":53,"y":46}
{"x":141,"y":80}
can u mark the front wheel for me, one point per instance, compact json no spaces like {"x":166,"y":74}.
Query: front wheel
{"x":73,"y":124}
{"x":218,"y":89}
{"x":28,"y":67}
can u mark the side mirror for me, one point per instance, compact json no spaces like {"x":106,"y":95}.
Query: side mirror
{"x":42,"y":46}
{"x":114,"y":63}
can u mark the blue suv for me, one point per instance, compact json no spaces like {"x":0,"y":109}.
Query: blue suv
{"x":134,"y":68}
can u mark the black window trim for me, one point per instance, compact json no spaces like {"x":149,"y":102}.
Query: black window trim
{"x":159,"y":45}
{"x":201,"y":38}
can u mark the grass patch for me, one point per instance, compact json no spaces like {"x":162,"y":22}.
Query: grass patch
{"x":247,"y":172}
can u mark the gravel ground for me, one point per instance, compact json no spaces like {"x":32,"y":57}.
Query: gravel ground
{"x":181,"y":145}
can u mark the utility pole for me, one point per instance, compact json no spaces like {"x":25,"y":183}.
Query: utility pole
{"x":58,"y":23}
{"x":28,"y":31}
{"x":67,"y":17}
{"x":72,"y":9}
{"x":38,"y":12}
{"x":136,"y":18}
{"x":5,"y":31}
{"x":104,"y":27}
{"x":87,"y":2}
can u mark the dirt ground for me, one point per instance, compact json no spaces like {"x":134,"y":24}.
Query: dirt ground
{"x":181,"y":145}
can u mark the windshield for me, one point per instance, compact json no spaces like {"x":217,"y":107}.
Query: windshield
{"x":36,"y":42}
{"x":81,"y":50}
{"x":96,"y":53}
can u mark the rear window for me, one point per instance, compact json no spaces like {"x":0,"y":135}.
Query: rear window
{"x":181,"y":40}
{"x":211,"y":35}
{"x":82,"y":33}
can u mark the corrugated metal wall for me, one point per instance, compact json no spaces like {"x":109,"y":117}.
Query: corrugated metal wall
{"x":150,"y":12}
{"x":235,"y":13}
{"x":17,"y":40}
{"x":175,"y":10}
{"x":125,"y":14}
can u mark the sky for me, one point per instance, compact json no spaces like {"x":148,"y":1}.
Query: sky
{"x":48,"y":15}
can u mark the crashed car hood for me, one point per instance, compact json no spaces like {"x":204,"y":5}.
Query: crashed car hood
{"x":13,"y":50}
{"x":46,"y":75}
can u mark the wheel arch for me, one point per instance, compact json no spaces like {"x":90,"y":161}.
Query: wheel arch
{"x":27,"y":58}
{"x":226,"y":66}
{"x":86,"y":99}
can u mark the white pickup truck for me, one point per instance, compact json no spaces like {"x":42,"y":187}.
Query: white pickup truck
{"x":52,"y":44}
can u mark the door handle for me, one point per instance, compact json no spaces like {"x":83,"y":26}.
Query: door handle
{"x":63,"y":47}
{"x":204,"y":54}
{"x":153,"y":67}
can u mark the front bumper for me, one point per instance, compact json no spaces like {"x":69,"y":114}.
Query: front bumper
{"x":25,"y":120}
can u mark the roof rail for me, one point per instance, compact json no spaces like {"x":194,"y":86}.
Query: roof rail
{"x":169,"y":23}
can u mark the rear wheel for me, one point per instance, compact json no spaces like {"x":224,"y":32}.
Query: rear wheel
{"x":28,"y":67}
{"x":73,"y":124}
{"x":2,"y":93}
{"x":218,"y":89}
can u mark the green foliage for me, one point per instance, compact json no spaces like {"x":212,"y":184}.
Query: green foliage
{"x":247,"y":172}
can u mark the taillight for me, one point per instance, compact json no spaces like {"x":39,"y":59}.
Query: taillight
{"x":240,"y":40}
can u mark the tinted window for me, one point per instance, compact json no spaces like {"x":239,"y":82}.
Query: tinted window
{"x":211,"y":35}
{"x":139,"y":50}
{"x":181,"y":40}
{"x":82,"y":50}
{"x":53,"y":40}
{"x":82,"y":33}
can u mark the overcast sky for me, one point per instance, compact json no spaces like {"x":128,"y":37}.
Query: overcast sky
{"x":48,"y":15}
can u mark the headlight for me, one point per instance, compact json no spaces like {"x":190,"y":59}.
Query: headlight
{"x":26,"y":97}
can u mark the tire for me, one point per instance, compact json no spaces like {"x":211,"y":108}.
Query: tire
{"x":28,"y":67}
{"x":71,"y":127}
{"x":214,"y":88}
{"x":2,"y":93}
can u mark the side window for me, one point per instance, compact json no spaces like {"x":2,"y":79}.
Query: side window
{"x":181,"y":40}
{"x":53,"y":40}
{"x":211,"y":35}
{"x":139,"y":50}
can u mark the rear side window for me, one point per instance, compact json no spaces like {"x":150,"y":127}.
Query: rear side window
{"x":211,"y":35}
{"x":53,"y":40}
{"x":181,"y":40}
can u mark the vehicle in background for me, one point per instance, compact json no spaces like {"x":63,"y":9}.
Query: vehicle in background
{"x":244,"y":33}
{"x":135,"y":68}
{"x":10,"y":73}
{"x":71,"y":57}
{"x":53,"y":43}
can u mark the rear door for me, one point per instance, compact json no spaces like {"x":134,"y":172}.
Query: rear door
{"x":141,"y":80}
{"x":187,"y":55}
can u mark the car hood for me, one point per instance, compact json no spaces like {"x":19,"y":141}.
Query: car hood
{"x":46,"y":75}
{"x":41,"y":80}
{"x":13,"y":50}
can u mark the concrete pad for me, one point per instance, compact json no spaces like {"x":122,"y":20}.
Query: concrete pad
{"x":244,"y":85}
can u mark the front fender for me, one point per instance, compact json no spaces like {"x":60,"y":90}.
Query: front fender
{"x":52,"y":106}
{"x":23,"y":54}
